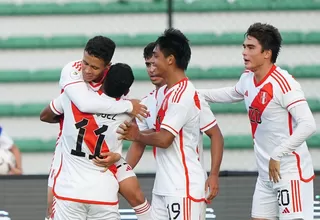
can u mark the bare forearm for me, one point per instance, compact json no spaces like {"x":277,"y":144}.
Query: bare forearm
{"x":217,"y":143}
{"x":216,"y":157}
{"x":48,"y":116}
{"x":154,"y":139}
{"x":135,"y":153}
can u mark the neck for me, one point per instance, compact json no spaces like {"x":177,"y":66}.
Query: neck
{"x":97,"y":80}
{"x":261,"y":71}
{"x":159,"y":86}
{"x":173,"y":77}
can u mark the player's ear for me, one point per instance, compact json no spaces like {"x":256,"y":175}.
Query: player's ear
{"x":170,"y":59}
{"x":267,"y":54}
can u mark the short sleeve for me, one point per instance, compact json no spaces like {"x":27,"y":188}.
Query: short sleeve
{"x":6,"y":141}
{"x":56,"y":105}
{"x":175,"y":117}
{"x":207,"y":118}
{"x":143,"y":125}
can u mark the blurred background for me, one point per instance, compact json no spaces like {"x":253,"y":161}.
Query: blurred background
{"x":38,"y":37}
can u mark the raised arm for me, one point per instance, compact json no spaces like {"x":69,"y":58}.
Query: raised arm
{"x":222,"y":95}
{"x":226,"y":94}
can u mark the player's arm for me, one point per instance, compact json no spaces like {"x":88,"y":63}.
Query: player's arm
{"x":306,"y":126}
{"x":224,"y":95}
{"x":90,"y":102}
{"x":135,"y":153}
{"x":136,"y":148}
{"x":216,"y":148}
{"x":175,"y":117}
{"x":209,"y":126}
{"x":295,"y":102}
{"x":6,"y":142}
{"x":161,"y":139}
{"x":52,"y":112}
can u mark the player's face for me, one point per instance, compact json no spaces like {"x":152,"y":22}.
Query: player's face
{"x":160,"y":62}
{"x":92,"y":68}
{"x":253,"y":56}
{"x":156,"y":80}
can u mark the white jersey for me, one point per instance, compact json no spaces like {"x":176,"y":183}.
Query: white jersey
{"x":72,"y":83}
{"x":179,"y":171}
{"x":268,"y":104}
{"x":83,"y":136}
{"x":151,"y":102}
{"x":6,"y":141}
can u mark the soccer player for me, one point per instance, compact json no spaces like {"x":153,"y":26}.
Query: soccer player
{"x":7,"y":143}
{"x":81,"y":189}
{"x":77,"y":79}
{"x":208,"y":126}
{"x":178,"y":191}
{"x":136,"y":149}
{"x":281,"y":122}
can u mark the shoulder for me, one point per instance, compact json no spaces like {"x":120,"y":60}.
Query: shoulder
{"x":246,"y":74}
{"x":183,"y":92}
{"x":149,"y":95}
{"x":72,"y":69}
{"x":284,"y":81}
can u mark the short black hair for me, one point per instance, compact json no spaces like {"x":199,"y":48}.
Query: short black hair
{"x":101,"y":47}
{"x":174,"y":42}
{"x":148,"y":50}
{"x":118,"y":80}
{"x":268,"y":36}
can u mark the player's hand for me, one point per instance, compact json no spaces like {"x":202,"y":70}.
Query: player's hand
{"x":274,"y":170}
{"x":128,"y":131}
{"x":108,"y":159}
{"x":15,"y":171}
{"x":139,"y":111}
{"x":212,"y":184}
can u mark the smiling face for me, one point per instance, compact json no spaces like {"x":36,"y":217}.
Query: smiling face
{"x":93,"y":68}
{"x":253,"y":54}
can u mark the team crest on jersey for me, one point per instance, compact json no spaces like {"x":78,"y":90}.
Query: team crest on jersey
{"x":75,"y":75}
{"x":264,"y":97}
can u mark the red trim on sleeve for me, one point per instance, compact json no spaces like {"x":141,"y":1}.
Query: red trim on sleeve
{"x":208,"y":124}
{"x":55,"y":108}
{"x":300,"y":100}
{"x":170,"y":128}
{"x":71,"y":84}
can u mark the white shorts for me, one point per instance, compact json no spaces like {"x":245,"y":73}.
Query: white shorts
{"x":56,"y":160}
{"x":290,"y":198}
{"x":124,"y":170}
{"x":68,"y":210}
{"x":178,"y":208}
